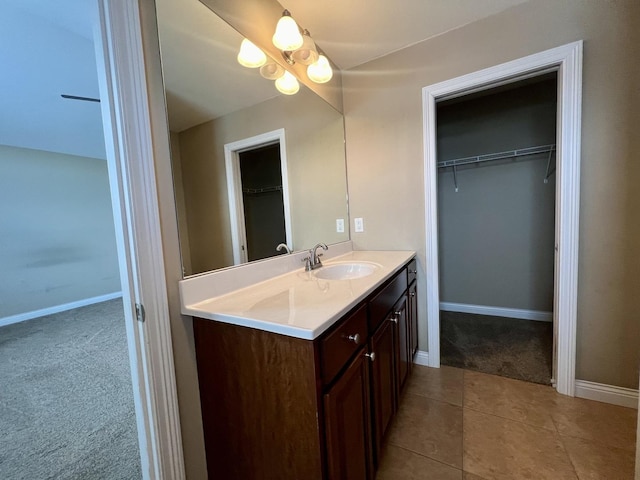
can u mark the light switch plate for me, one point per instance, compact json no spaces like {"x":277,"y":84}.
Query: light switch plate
{"x":340,"y":225}
{"x":358,"y":223}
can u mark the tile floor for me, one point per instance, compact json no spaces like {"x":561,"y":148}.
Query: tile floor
{"x":457,"y":424}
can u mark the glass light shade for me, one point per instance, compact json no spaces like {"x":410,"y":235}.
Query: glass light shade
{"x":320,"y":71}
{"x":271,"y":71}
{"x":287,"y":36}
{"x":307,"y":53}
{"x":287,"y":84}
{"x":251,"y":56}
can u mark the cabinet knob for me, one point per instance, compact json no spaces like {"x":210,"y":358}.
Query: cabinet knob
{"x":354,"y":338}
{"x":397,"y":313}
{"x":415,"y":271}
{"x":372,"y":356}
{"x":412,"y":294}
{"x":394,"y":319}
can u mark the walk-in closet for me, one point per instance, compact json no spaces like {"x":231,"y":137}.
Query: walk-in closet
{"x":496,"y":228}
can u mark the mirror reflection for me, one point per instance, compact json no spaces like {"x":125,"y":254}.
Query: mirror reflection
{"x":253,"y":168}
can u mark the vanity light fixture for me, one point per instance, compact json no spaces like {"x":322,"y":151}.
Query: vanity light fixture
{"x":287,"y":36}
{"x":320,"y":71}
{"x":297,"y":47}
{"x":251,"y":56}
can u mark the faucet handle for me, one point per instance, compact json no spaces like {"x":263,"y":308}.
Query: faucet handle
{"x":307,"y":266}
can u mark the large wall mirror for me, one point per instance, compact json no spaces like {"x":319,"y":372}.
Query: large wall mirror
{"x":252,"y":168}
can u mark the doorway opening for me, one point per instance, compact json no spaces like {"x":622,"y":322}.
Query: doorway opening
{"x":566,"y":60}
{"x":257,"y":183}
{"x":496,"y":221}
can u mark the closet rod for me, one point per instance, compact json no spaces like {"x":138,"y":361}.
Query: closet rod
{"x":498,"y":156}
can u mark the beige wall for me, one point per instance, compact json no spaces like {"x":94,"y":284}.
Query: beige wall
{"x":57,"y":237}
{"x":383,"y":120}
{"x":314,"y":136}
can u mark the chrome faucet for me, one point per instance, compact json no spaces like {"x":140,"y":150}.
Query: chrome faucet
{"x":313,"y":260}
{"x":283,"y":246}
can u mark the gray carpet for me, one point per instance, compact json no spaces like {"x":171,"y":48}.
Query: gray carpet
{"x":66,"y":402}
{"x":508,"y":347}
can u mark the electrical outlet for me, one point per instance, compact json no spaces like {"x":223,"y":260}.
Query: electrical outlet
{"x":358,"y":224}
{"x":340,"y":225}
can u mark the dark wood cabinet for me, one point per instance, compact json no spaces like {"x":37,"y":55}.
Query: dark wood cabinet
{"x":403,"y":344}
{"x":347,"y":416}
{"x":383,"y":381}
{"x":279,"y":407}
{"x":413,"y":317}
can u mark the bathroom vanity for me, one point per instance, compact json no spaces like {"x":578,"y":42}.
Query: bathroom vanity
{"x":300,"y":375}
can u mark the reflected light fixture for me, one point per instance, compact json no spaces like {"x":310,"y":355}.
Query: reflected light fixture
{"x":271,"y":71}
{"x":287,"y":84}
{"x":287,"y":36}
{"x":320,"y":71}
{"x":251,"y":56}
{"x":307,"y":53}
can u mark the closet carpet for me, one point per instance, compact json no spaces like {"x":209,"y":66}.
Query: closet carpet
{"x":508,"y":347}
{"x":66,"y":402}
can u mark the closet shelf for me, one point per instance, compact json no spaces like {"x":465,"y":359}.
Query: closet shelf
{"x":489,"y":157}
{"x":275,"y":188}
{"x":497,"y":156}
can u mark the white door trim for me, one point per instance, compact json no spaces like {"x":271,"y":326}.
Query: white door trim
{"x":567,"y":61}
{"x":126,"y":117}
{"x":234,"y":188}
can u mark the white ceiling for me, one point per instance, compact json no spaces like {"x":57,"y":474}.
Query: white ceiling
{"x":356,"y":31}
{"x":46,"y":50}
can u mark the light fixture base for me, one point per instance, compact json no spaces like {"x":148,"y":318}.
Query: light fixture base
{"x":288,"y":57}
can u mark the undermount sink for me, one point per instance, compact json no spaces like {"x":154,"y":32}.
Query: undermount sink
{"x":346,"y":270}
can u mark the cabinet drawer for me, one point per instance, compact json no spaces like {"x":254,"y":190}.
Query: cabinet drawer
{"x":337,"y":347}
{"x":384,"y":301}
{"x":412,"y":271}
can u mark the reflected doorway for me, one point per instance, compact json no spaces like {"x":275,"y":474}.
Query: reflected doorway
{"x":263,"y":206}
{"x":258,"y":189}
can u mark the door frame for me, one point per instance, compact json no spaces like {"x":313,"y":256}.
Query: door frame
{"x":132,"y":174}
{"x":567,"y":61}
{"x":232,"y":153}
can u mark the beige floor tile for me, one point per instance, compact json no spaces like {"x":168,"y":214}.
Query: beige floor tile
{"x":400,"y":464}
{"x":500,"y":449}
{"x":471,"y":476}
{"x":444,"y":383}
{"x":594,"y":461}
{"x":596,"y":421}
{"x":430,"y":428}
{"x":513,"y":399}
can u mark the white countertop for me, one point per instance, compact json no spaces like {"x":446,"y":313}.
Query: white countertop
{"x":298,"y":304}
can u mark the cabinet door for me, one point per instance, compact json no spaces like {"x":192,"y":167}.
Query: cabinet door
{"x":413,"y":317}
{"x":348,"y":424}
{"x":400,"y":316}
{"x":383,"y":380}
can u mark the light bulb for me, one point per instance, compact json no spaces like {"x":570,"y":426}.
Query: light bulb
{"x":271,"y":71}
{"x":307,"y":53}
{"x":320,"y":71}
{"x":251,"y":56}
{"x":287,"y":84}
{"x":287,"y":36}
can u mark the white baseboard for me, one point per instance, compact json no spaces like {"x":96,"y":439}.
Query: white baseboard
{"x":537,"y":315}
{"x":625,"y":397}
{"x":21,"y":317}
{"x":421,"y":358}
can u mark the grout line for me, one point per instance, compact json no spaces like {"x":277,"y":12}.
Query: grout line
{"x":554,"y":430}
{"x":425,"y":456}
{"x":566,"y":452}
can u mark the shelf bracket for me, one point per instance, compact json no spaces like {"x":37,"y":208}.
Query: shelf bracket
{"x":549,"y":171}
{"x":455,"y":178}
